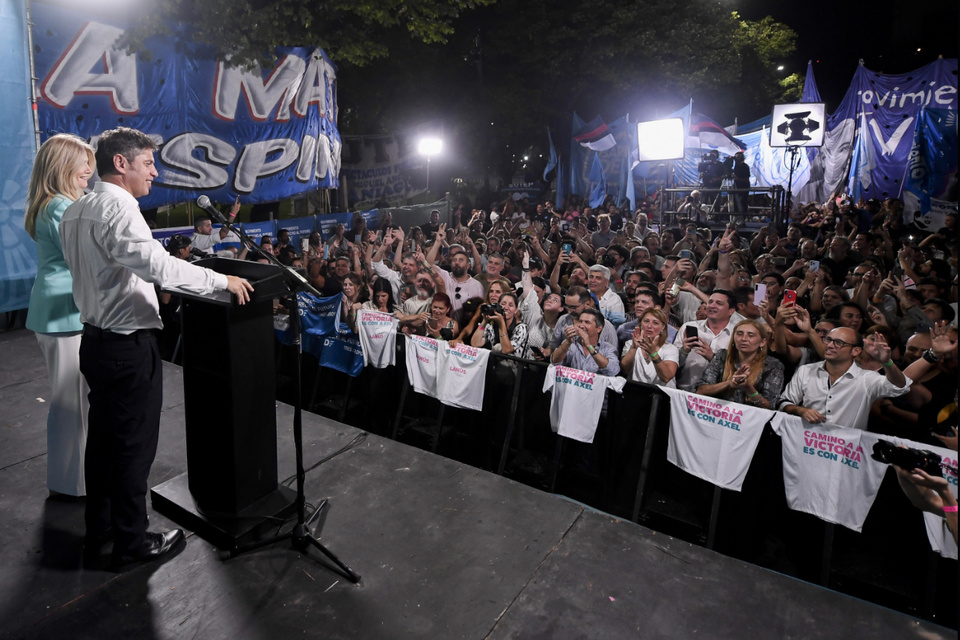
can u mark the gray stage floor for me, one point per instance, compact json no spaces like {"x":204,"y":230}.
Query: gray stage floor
{"x":445,"y":551}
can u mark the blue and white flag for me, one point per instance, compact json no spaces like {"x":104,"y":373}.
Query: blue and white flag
{"x":552,"y":162}
{"x":599,"y":191}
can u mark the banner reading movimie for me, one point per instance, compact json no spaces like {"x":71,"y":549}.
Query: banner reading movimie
{"x":261,"y":134}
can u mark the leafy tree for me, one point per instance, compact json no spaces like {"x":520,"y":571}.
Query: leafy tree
{"x":248,"y":31}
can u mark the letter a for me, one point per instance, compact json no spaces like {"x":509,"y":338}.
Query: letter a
{"x":71,"y":75}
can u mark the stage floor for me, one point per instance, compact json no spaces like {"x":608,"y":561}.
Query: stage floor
{"x":445,"y":551}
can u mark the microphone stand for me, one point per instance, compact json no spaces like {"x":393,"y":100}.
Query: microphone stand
{"x":300,"y":536}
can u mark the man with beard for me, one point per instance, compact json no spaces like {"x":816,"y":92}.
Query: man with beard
{"x":839,"y":261}
{"x":459,"y":285}
{"x":415,"y":310}
{"x":707,"y":281}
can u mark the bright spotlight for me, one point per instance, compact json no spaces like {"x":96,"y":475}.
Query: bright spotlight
{"x":430,"y":147}
{"x":660,"y":139}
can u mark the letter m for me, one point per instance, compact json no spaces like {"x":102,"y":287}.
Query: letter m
{"x":262,"y":96}
{"x":73,"y":72}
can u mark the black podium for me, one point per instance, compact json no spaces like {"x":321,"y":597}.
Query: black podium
{"x":230,"y":492}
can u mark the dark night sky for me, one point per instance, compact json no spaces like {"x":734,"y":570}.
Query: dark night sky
{"x":837,"y":34}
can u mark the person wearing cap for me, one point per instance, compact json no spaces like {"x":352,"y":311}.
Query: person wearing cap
{"x":179,"y":247}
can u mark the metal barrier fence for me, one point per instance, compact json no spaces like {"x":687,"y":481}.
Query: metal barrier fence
{"x":625,"y":473}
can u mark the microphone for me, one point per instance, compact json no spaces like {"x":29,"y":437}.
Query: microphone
{"x":204,"y":203}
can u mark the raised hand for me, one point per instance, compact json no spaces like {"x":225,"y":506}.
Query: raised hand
{"x":803,"y":319}
{"x":944,"y":344}
{"x":876,"y":345}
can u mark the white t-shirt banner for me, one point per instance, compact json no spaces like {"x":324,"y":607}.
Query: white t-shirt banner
{"x":461,"y":373}
{"x":378,"y":338}
{"x":577,"y":400}
{"x":941,"y":540}
{"x":828,"y":471}
{"x":422,"y":364}
{"x":713,"y":439}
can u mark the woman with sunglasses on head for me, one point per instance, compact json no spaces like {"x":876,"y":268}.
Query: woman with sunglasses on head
{"x":647,"y":355}
{"x":744,"y":372}
{"x":61,"y":170}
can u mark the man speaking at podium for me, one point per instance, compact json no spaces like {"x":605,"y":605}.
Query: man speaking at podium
{"x":115,"y":262}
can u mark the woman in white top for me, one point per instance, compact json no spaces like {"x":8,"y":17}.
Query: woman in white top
{"x":647,"y":355}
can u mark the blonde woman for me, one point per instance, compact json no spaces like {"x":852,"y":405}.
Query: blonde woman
{"x":647,"y":356}
{"x":61,"y":170}
{"x":743,"y":372}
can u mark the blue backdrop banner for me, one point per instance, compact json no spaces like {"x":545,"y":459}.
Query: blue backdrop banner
{"x":261,"y":134}
{"x":18,"y":253}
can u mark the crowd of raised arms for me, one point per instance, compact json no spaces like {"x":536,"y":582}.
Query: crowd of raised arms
{"x":769,"y":319}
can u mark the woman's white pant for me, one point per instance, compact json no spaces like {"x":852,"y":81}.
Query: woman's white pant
{"x":67,"y":420}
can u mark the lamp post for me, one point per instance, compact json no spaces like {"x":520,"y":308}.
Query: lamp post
{"x":428,"y":148}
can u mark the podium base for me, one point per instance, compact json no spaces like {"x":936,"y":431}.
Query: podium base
{"x":174,"y":500}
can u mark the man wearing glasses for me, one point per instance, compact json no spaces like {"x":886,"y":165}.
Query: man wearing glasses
{"x":837,"y":390}
{"x":576,"y":300}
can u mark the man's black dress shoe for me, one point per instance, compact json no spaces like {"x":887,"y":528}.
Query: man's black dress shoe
{"x":155,"y":545}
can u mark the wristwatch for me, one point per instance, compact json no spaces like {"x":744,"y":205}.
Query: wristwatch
{"x":930,"y":356}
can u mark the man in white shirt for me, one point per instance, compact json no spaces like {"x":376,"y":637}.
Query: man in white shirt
{"x":611,"y":306}
{"x":115,"y":263}
{"x":203,"y":237}
{"x":837,"y":390}
{"x":712,"y":334}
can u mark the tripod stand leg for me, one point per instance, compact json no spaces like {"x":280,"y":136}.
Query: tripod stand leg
{"x":302,"y":537}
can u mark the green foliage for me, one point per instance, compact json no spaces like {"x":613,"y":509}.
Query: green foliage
{"x":248,"y":31}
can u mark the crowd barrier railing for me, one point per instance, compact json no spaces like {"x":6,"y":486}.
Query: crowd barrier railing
{"x":628,"y":462}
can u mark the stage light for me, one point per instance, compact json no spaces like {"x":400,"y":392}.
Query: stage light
{"x":798,"y":125}
{"x":430,"y":147}
{"x":660,"y":139}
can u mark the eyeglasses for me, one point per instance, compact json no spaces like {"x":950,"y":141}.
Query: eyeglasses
{"x":572,"y":307}
{"x":456,"y":293}
{"x":840,"y":343}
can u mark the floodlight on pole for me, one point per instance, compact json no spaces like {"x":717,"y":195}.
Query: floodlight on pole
{"x":429,"y":147}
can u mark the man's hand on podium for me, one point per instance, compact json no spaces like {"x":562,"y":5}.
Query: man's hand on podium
{"x":240,"y":288}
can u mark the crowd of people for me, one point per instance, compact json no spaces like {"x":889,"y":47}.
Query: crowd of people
{"x":849,"y":317}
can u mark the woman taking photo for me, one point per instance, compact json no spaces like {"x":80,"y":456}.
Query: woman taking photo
{"x":60,"y":172}
{"x":497,"y":289}
{"x":439,"y":323}
{"x":647,"y":355}
{"x":742,"y":372}
{"x":501,"y":331}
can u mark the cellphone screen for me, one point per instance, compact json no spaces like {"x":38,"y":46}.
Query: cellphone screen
{"x":686,"y":254}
